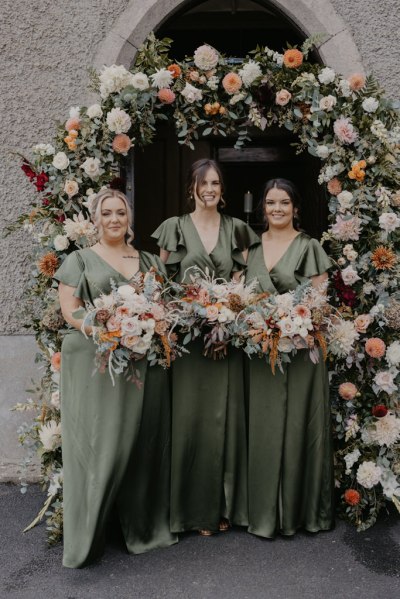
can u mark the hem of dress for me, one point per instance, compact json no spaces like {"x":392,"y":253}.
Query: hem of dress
{"x":291,"y":533}
{"x":145,"y":548}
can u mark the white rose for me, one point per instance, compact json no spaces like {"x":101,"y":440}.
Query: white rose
{"x":55,"y":399}
{"x":249,"y":72}
{"x":344,"y":88}
{"x":94,"y":111}
{"x":140,"y":81}
{"x":191,"y":93}
{"x":60,"y":242}
{"x":206,"y":57}
{"x":345,"y":200}
{"x":393,"y":353}
{"x":349,"y":275}
{"x":60,"y":161}
{"x":285,"y":345}
{"x":368,"y":474}
{"x":370,"y":104}
{"x":71,"y":188}
{"x":118,"y":121}
{"x":91,"y":166}
{"x":384,"y":381}
{"x":327,"y":75}
{"x":389,"y":221}
{"x":44,"y":149}
{"x":327,"y":103}
{"x":368,"y":288}
{"x":322,"y":151}
{"x":126,"y":292}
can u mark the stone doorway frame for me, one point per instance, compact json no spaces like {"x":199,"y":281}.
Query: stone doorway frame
{"x":132,"y":27}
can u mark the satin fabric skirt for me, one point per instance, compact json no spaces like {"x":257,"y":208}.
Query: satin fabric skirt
{"x":209,"y":441}
{"x":116,"y":452}
{"x":290,"y":448}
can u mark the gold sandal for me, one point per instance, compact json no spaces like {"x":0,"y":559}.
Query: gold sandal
{"x":203,"y":532}
{"x":224,"y":525}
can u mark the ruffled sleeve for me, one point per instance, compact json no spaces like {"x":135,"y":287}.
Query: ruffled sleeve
{"x":169,"y":237}
{"x":71,"y":273}
{"x":148,"y":261}
{"x":243,"y":238}
{"x":313,"y":260}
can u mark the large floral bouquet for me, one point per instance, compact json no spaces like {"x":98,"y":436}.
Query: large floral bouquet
{"x":277,"y":326}
{"x":130,"y":323}
{"x":209,"y":306}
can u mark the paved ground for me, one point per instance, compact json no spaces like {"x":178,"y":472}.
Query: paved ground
{"x":234,"y":565}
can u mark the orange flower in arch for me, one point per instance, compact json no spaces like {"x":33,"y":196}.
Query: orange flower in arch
{"x":352,"y":497}
{"x":48,"y":264}
{"x":357,"y":171}
{"x":375,"y":347}
{"x":292,"y":58}
{"x":175,"y":70}
{"x":356,"y":82}
{"x":383,"y":258}
{"x":56,"y":361}
{"x":232,"y":83}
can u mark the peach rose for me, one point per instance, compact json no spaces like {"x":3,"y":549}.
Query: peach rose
{"x":56,"y":361}
{"x":334,"y":186}
{"x":362,"y":322}
{"x":356,"y":82}
{"x":194,"y":75}
{"x":129,"y":341}
{"x":347,"y":391}
{"x":302,"y":311}
{"x":212,"y":312}
{"x":232,"y":83}
{"x":161,"y":327}
{"x":166,"y":95}
{"x":282,"y":97}
{"x":375,"y":347}
{"x":292,"y":58}
{"x":73,"y":123}
{"x":121,"y":144}
{"x":222,"y":110}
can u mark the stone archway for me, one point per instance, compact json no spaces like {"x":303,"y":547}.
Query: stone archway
{"x":139,"y":18}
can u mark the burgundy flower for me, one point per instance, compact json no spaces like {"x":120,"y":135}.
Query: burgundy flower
{"x":60,"y":217}
{"x":41,"y":181}
{"x":379,"y":411}
{"x":26,"y":167}
{"x":344,"y":292}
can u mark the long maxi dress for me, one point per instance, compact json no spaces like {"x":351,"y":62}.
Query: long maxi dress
{"x":115,"y":439}
{"x":209,"y":441}
{"x":290,"y":447}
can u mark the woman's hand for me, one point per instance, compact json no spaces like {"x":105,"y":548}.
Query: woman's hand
{"x":69,"y":303}
{"x":164,"y":255}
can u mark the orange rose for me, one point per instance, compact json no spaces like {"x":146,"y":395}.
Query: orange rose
{"x":352,"y":497}
{"x":73,"y":123}
{"x":357,"y":171}
{"x":292,"y":58}
{"x":362,"y":322}
{"x":56,"y":361}
{"x":375,"y":347}
{"x":175,"y":70}
{"x":356,"y":82}
{"x":222,"y":110}
{"x":231,"y":83}
{"x":121,"y":144}
{"x":334,"y":186}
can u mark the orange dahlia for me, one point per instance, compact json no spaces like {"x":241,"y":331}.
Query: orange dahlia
{"x":356,"y":82}
{"x":334,"y":186}
{"x":375,"y":347}
{"x":232,"y":83}
{"x":73,"y":123}
{"x":175,"y":70}
{"x":383,"y":258}
{"x":121,"y":143}
{"x":292,"y":58}
{"x":48,"y":264}
{"x":352,"y":497}
{"x":56,"y":361}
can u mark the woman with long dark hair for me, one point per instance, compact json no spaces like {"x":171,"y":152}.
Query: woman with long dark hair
{"x":209,"y":453}
{"x":290,"y":450}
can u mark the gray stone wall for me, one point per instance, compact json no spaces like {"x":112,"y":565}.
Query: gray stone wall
{"x":46,"y":47}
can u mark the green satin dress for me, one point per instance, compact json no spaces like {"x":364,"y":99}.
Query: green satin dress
{"x":209,"y":441}
{"x":290,"y":446}
{"x":115,"y":439}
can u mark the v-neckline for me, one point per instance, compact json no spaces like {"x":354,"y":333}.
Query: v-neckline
{"x":114,"y":269}
{"x":269,"y":270}
{"x":199,"y":238}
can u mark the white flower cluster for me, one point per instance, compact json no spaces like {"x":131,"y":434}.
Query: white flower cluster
{"x":43,"y":149}
{"x":368,"y":474}
{"x":328,"y":172}
{"x":80,"y":229}
{"x":385,"y":431}
{"x":162,"y":78}
{"x":342,"y":338}
{"x":113,"y":79}
{"x":385,"y":380}
{"x":50,"y":435}
{"x":206,"y":57}
{"x":118,"y":120}
{"x":327,"y":75}
{"x":191,"y":93}
{"x":250,"y":72}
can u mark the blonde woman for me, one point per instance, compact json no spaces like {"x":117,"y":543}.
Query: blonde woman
{"x":115,"y":439}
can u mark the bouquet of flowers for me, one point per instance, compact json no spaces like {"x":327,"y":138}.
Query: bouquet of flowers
{"x":275,"y":326}
{"x":130,"y":323}
{"x":209,"y":306}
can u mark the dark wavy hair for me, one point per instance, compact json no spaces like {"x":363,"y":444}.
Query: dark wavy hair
{"x":196,"y":175}
{"x":293,"y":194}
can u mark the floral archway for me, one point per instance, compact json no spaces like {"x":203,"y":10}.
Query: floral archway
{"x":355,"y":131}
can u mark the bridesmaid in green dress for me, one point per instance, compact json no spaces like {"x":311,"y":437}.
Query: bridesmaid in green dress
{"x":290,"y":448}
{"x":209,"y":445}
{"x":115,"y":439}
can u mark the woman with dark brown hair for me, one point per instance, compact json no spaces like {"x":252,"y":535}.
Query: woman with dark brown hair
{"x":290,"y":448}
{"x":209,"y":455}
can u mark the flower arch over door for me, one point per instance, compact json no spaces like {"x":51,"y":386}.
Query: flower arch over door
{"x":348,"y":124}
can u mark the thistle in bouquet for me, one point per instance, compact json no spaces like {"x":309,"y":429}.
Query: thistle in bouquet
{"x":130,"y":323}
{"x":207,"y":307}
{"x":278,"y":326}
